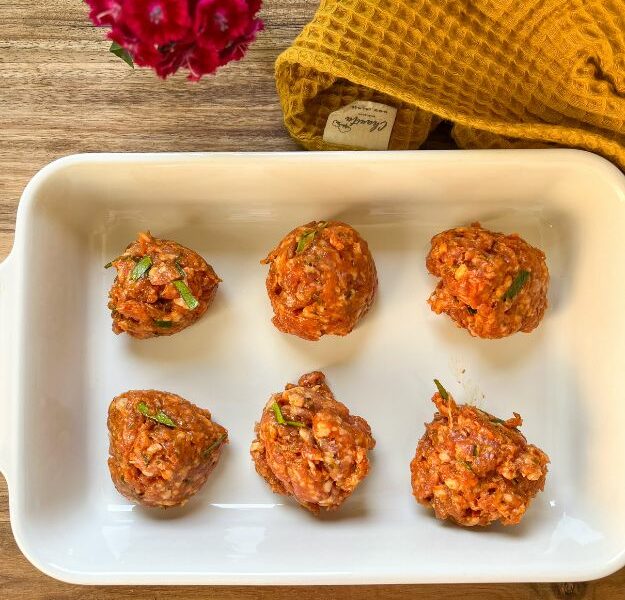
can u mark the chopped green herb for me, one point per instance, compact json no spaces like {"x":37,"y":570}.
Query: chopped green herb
{"x":517,"y":283}
{"x":467,"y":465}
{"x":471,"y":310}
{"x":280,"y":418}
{"x":122,"y":53}
{"x":441,"y":390}
{"x":180,"y":269}
{"x":189,"y":299}
{"x":141,"y":268}
{"x":164,"y":324}
{"x":304,"y":241}
{"x":496,"y":420}
{"x":214,"y":445}
{"x":159,"y":417}
{"x":276,"y":411}
{"x":474,"y":450}
{"x":108,"y":265}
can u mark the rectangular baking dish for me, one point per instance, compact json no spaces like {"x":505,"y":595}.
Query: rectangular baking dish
{"x":61,"y":365}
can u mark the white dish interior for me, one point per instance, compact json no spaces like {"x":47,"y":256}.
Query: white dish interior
{"x":564,"y":379}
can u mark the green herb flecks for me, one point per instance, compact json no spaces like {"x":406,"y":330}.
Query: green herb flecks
{"x":496,"y":420}
{"x":306,"y":238}
{"x":185,"y":293}
{"x":141,"y":268}
{"x":214,"y":445}
{"x":474,"y":452}
{"x":441,"y":390}
{"x":159,"y":417}
{"x":517,"y":283}
{"x":164,"y":324}
{"x":179,"y":268}
{"x":122,"y":53}
{"x":304,"y":241}
{"x":108,"y":265}
{"x":467,"y":465}
{"x":280,"y":418}
{"x":278,"y":413}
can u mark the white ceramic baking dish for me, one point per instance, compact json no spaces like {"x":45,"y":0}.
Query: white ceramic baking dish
{"x":61,"y":365}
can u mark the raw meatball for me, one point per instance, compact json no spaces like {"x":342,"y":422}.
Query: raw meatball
{"x":161,"y":287}
{"x":491,"y":284}
{"x":162,"y":447}
{"x":322,"y":280}
{"x":474,"y":468}
{"x":309,"y":446}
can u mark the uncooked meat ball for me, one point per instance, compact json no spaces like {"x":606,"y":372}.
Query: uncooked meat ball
{"x":473,"y":468}
{"x":322,"y":280}
{"x":162,"y":447}
{"x":161,"y":287}
{"x":491,"y":284}
{"x":309,"y":446}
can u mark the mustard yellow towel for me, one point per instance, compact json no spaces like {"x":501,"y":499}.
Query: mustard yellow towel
{"x":508,"y":73}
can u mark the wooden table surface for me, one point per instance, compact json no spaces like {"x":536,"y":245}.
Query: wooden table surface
{"x":61,"y":92}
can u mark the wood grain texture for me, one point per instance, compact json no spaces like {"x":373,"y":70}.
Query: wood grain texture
{"x":61,"y":92}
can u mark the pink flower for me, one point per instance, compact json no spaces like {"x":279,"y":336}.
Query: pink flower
{"x":217,"y":22}
{"x":104,"y":12}
{"x":237,"y":48}
{"x":203,"y":60}
{"x":156,"y":21}
{"x":168,"y":35}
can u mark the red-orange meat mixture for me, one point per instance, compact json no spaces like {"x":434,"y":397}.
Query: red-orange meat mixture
{"x":162,"y":447}
{"x":322,"y":280}
{"x":491,"y":284}
{"x":475,"y":469}
{"x":148,"y":302}
{"x":319,"y":454}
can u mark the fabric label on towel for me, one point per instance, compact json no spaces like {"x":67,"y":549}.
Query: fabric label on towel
{"x":362,"y":124}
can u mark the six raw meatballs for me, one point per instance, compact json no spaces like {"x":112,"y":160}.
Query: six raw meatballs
{"x":469,"y":466}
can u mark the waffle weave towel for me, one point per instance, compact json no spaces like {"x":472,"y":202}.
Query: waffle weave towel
{"x":508,"y":73}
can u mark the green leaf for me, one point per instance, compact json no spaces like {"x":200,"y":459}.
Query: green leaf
{"x":108,"y":265}
{"x":517,"y":283}
{"x":214,"y":445}
{"x":164,"y":324}
{"x":141,"y":268}
{"x":280,"y":418}
{"x":159,"y":417}
{"x":179,"y":268}
{"x":278,"y":413}
{"x":304,"y":241}
{"x":441,"y":390}
{"x":122,"y":53}
{"x":189,"y":299}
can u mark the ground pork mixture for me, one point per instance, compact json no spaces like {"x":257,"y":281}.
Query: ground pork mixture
{"x":322,"y":280}
{"x":161,"y":287}
{"x":474,"y":468}
{"x":309,"y":446}
{"x":162,"y":447}
{"x":491,"y":284}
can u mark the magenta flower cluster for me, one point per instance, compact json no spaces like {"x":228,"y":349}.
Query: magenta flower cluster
{"x":167,"y":35}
